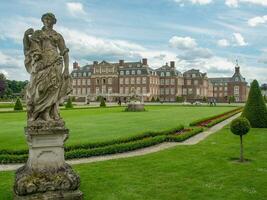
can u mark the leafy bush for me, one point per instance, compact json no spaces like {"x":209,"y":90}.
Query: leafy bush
{"x":69,"y":103}
{"x":18,"y":105}
{"x":153,"y":99}
{"x":255,"y":109}
{"x":102,"y":102}
{"x":179,"y":99}
{"x":240,"y":126}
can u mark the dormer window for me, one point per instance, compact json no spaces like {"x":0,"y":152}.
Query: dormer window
{"x":133,"y":72}
{"x":236,"y":79}
{"x":127,"y":72}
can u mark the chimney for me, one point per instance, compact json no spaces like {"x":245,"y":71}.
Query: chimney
{"x":95,"y":62}
{"x":172,"y":64}
{"x":76,"y":65}
{"x":144,"y":61}
{"x":121,"y":62}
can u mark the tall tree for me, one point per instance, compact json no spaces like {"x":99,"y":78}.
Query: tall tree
{"x":2,"y":84}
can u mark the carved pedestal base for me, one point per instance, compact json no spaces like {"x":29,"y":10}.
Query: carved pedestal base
{"x":135,"y":107}
{"x":46,"y":176}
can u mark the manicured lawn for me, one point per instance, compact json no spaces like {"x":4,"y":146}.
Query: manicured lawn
{"x":102,"y":124}
{"x":203,"y":171}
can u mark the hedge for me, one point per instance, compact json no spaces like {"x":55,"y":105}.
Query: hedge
{"x":228,"y":114}
{"x":184,"y":136}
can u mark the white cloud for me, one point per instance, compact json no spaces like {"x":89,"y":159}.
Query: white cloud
{"x":255,"y":21}
{"x":75,"y":8}
{"x":239,"y":39}
{"x":200,"y":2}
{"x":182,"y":42}
{"x":235,"y":3}
{"x":223,"y":43}
{"x":231,"y":3}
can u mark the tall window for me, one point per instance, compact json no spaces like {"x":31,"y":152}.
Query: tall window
{"x":236,"y":90}
{"x":144,"y":80}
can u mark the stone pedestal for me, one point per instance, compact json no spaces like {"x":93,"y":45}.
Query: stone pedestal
{"x":135,"y":106}
{"x":46,"y":176}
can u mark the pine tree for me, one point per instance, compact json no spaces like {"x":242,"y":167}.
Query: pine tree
{"x":255,"y":109}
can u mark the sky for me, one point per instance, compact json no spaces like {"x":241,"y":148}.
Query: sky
{"x":209,"y":35}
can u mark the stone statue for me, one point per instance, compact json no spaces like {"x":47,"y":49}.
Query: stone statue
{"x":46,"y":175}
{"x":47,"y":60}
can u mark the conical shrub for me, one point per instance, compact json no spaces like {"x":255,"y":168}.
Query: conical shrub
{"x":255,"y":109}
{"x":18,"y":105}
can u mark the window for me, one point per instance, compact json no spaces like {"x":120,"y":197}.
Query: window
{"x":121,"y":90}
{"x":110,"y":90}
{"x":126,"y":90}
{"x":138,"y":80}
{"x":84,"y":74}
{"x":97,"y":90}
{"x":97,"y":81}
{"x":188,"y":82}
{"x":172,"y":81}
{"x":133,"y":72}
{"x":144,"y":90}
{"x":220,"y":88}
{"x":78,"y":91}
{"x":162,"y":74}
{"x":225,"y":88}
{"x":168,"y":74}
{"x":144,"y":80}
{"x":138,"y":90}
{"x":193,"y":75}
{"x":78,"y":81}
{"x":126,"y":80}
{"x":198,"y":91}
{"x":88,"y":81}
{"x":104,"y":89}
{"x":172,"y":91}
{"x":138,"y":71}
{"x":167,"y":91}
{"x":236,"y":79}
{"x":121,"y":81}
{"x":73,"y":82}
{"x":167,"y":81}
{"x":236,"y":90}
{"x":162,"y":91}
{"x":190,"y":91}
{"x":74,"y":91}
{"x":104,"y":81}
{"x":195,"y":82}
{"x":215,"y":88}
{"x":127,"y":72}
{"x":84,"y":81}
{"x":132,"y":81}
{"x":121,"y":72}
{"x":184,"y":91}
{"x":162,"y":81}
{"x":138,"y":65}
{"x":84,"y":91}
{"x":110,"y":81}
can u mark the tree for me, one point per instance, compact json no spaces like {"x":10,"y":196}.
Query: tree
{"x":179,"y":99}
{"x":240,"y":126}
{"x":102,"y":102}
{"x":18,"y":105}
{"x":255,"y":109}
{"x":157,"y":100}
{"x":231,"y":99}
{"x":69,"y":103}
{"x":153,"y":99}
{"x":2,"y":84}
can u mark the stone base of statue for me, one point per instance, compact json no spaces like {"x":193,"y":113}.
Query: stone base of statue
{"x":135,"y":106}
{"x":46,"y":176}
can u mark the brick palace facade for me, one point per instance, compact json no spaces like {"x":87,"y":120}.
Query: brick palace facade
{"x":115,"y":81}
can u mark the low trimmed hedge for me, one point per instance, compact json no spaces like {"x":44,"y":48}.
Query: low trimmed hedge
{"x":199,"y":121}
{"x":217,"y":121}
{"x":184,"y":136}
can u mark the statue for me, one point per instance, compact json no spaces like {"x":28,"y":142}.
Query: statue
{"x":46,"y":175}
{"x":47,"y":60}
{"x":135,"y":104}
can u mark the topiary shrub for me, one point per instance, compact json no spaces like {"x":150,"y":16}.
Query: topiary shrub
{"x":153,"y":99}
{"x":157,"y":100}
{"x":18,"y":105}
{"x":179,"y":99}
{"x":255,"y":109}
{"x":240,"y":126}
{"x":102,"y":102}
{"x":69,"y":104}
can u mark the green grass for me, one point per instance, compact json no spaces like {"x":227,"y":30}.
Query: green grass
{"x":103,"y":124}
{"x":203,"y":171}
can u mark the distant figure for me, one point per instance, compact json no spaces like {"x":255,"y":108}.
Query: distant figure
{"x":214,"y":102}
{"x":119,"y":102}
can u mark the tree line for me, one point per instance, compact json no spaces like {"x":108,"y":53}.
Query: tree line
{"x":10,"y":89}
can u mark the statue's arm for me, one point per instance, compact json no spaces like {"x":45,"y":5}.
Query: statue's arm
{"x":26,"y":40}
{"x":64,"y":51}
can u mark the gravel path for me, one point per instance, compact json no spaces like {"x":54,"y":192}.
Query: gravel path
{"x":166,"y":145}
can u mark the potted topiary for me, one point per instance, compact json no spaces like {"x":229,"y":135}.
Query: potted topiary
{"x":240,"y":126}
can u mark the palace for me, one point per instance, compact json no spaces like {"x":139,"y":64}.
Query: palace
{"x":115,"y":81}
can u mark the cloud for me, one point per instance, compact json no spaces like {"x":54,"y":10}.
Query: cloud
{"x":239,"y":39}
{"x":182,"y":42}
{"x":235,"y":3}
{"x":200,"y":2}
{"x":75,"y":8}
{"x":196,"y":53}
{"x":223,"y":43}
{"x":255,"y":21}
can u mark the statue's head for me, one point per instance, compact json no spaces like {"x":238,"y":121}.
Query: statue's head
{"x":49,"y":19}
